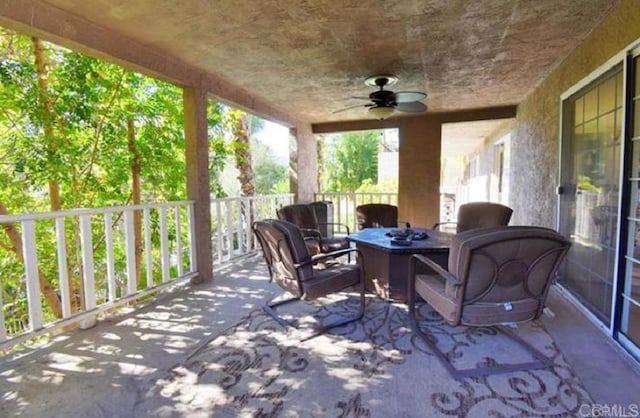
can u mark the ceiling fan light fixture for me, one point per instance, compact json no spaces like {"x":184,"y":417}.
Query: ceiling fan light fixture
{"x":383,"y":103}
{"x":380,"y":112}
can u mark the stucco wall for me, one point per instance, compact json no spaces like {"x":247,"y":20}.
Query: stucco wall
{"x":535,"y":156}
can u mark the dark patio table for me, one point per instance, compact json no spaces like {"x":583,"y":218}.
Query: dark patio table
{"x":386,"y":265}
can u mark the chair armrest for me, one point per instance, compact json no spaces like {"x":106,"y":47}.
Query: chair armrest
{"x":433,"y":266}
{"x":309,"y":232}
{"x":336,"y":223}
{"x":435,"y":226}
{"x":322,"y":257}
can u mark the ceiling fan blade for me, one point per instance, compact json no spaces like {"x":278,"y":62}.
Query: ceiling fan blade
{"x":413,"y":107}
{"x":360,"y":98}
{"x":409,"y":96}
{"x":351,"y":107}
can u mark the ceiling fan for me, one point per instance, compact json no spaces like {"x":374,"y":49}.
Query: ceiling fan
{"x":385,"y":102}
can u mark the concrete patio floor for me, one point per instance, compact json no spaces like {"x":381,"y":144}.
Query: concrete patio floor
{"x":106,"y":371}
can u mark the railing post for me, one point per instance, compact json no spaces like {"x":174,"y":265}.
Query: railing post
{"x":354,"y":223}
{"x":219,"y":229}
{"x":111,"y":270}
{"x":86,"y":244}
{"x":63,"y":275}
{"x":164,"y":245}
{"x":3,"y":328}
{"x":239,"y":230}
{"x":192,"y":239}
{"x":179,"y":241}
{"x":229,"y":229}
{"x":31,"y":272}
{"x":130,"y":250}
{"x":248,"y":222}
{"x":146,"y":219}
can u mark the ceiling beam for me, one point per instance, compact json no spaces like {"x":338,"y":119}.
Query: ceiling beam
{"x":500,"y":112}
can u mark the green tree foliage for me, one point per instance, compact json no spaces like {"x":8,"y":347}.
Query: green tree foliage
{"x":218,"y":148}
{"x":87,"y":127}
{"x":235,"y":140}
{"x":350,"y":160}
{"x":92,"y":101}
{"x":270,"y":177}
{"x":389,"y":185}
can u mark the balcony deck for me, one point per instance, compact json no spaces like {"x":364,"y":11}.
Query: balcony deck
{"x":116,"y":368}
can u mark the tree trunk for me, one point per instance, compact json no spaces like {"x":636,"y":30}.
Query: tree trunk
{"x":243,"y":155}
{"x":16,"y":247}
{"x":135,"y":192}
{"x":48,"y":122}
{"x":48,"y":117}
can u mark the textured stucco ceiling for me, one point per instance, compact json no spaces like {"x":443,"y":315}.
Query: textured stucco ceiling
{"x":309,"y":57}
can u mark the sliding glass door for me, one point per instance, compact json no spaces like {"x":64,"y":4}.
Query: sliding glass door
{"x":589,"y":194}
{"x":599,"y":196}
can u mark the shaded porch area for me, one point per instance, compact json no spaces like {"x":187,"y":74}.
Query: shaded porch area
{"x":208,"y":349}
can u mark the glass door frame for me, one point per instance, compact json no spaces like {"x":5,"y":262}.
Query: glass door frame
{"x":627,"y":193}
{"x":625,"y":59}
{"x":566,"y":127}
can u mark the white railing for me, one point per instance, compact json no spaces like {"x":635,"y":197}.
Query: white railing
{"x":231,"y":220}
{"x":94,"y":256}
{"x":344,"y":204}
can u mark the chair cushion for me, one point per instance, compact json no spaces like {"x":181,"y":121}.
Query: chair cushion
{"x":334,"y":244}
{"x":486,"y":314}
{"x":278,"y":256}
{"x":297,"y":247}
{"x":330,"y":280}
{"x":299,"y":214}
{"x":431,"y":288}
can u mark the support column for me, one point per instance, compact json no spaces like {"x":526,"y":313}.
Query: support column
{"x":419,"y":171}
{"x":197,"y":156}
{"x":303,"y":163}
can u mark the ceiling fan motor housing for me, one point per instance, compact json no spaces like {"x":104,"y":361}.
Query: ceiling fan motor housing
{"x":386,"y":102}
{"x":383,"y":97}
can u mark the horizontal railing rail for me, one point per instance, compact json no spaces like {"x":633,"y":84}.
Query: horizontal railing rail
{"x":91,"y":260}
{"x":231,"y":219}
{"x":87,"y":261}
{"x":344,"y":204}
